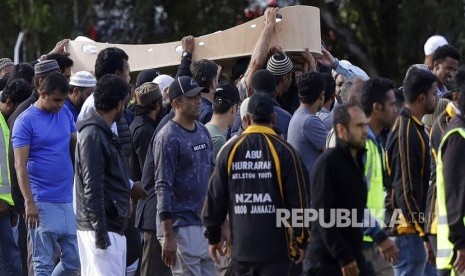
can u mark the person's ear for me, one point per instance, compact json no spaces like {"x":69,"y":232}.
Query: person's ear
{"x":287,"y":77}
{"x":377,"y":107}
{"x":248,"y":120}
{"x":118,"y":73}
{"x":422,"y":98}
{"x":436,"y":64}
{"x":75,"y":91}
{"x":120,"y":105}
{"x":9,"y":104}
{"x":455,"y":96}
{"x":341,"y":131}
{"x":43,"y":94}
{"x":176,"y":103}
{"x":234,"y":109}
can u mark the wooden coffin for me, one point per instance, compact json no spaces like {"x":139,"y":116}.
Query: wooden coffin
{"x":298,"y":29}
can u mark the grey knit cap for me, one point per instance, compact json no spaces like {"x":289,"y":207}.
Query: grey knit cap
{"x":46,"y":67}
{"x":279,"y":65}
{"x":5,"y":62}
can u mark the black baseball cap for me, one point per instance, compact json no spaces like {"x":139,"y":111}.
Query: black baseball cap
{"x":227,"y":91}
{"x":185,"y":86}
{"x":146,"y":75}
{"x":264,"y":80}
{"x":260,"y":104}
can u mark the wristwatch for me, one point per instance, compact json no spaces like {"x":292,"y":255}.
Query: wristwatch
{"x":186,"y":54}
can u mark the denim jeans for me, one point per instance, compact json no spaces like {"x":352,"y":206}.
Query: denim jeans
{"x":57,"y":224}
{"x":380,"y":266}
{"x":412,"y":256}
{"x":10,"y":257}
{"x":430,"y":270}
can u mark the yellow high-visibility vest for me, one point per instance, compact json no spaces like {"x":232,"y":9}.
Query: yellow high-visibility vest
{"x":445,"y":247}
{"x":5,"y":185}
{"x":374,"y":173}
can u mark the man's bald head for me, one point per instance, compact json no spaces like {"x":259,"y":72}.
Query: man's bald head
{"x":350,"y":90}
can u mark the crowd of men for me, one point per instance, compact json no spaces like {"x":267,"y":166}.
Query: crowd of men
{"x":186,"y":174}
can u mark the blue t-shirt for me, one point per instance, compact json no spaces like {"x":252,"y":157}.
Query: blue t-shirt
{"x":283,"y":119}
{"x":326,"y":117}
{"x":307,"y":134}
{"x":48,"y":136}
{"x":206,"y":111}
{"x":72,"y":109}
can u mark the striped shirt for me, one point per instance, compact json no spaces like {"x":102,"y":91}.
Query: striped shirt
{"x":408,"y":166}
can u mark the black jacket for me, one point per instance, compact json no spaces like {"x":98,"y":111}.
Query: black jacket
{"x":124,"y":137}
{"x":142,"y":129}
{"x":454,"y":179}
{"x":338,"y":182}
{"x":408,"y":167}
{"x":147,"y":209}
{"x":101,"y":180}
{"x":437,"y":130}
{"x":256,"y":174}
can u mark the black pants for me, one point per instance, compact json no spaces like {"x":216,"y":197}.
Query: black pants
{"x":134,"y":245}
{"x":152,"y":264}
{"x":260,"y":269}
{"x":444,"y":272}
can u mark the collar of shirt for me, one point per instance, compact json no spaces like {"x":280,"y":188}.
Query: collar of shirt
{"x":324,"y":110}
{"x":206,"y":101}
{"x":406,"y":113}
{"x":371,"y":134}
{"x":452,"y":110}
{"x":441,"y":90}
{"x":275,"y":102}
{"x":259,"y":129}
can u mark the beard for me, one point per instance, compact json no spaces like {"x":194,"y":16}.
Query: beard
{"x":357,"y":144}
{"x":80,"y":102}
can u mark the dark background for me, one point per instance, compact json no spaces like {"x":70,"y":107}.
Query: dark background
{"x":383,"y":37}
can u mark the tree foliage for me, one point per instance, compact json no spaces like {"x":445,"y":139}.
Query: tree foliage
{"x":386,"y":37}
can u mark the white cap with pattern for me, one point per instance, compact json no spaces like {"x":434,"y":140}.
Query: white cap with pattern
{"x":83,"y":79}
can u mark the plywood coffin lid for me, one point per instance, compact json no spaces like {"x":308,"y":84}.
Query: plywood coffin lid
{"x":298,"y":29}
